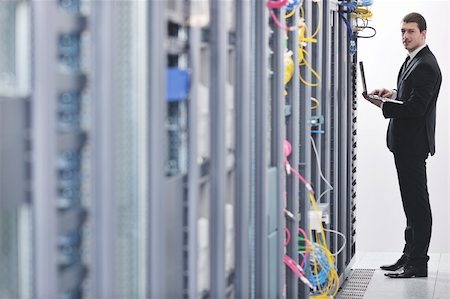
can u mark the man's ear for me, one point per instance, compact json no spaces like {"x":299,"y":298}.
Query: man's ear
{"x":424,"y":34}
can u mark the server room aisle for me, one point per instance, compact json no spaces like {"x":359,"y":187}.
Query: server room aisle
{"x":435,"y":286}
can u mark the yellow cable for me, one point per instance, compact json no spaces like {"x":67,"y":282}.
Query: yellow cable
{"x":290,"y":14}
{"x":314,"y":260}
{"x":333,"y":278}
{"x":362,"y":12}
{"x":317,"y":103}
{"x":305,"y":62}
{"x":288,"y":67}
{"x":302,"y":16}
{"x":303,"y":39}
{"x":301,"y":22}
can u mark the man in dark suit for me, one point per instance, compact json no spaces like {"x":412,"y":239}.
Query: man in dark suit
{"x":410,"y":138}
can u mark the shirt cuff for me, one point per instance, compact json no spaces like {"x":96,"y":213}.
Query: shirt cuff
{"x":394,"y":94}
{"x":381,"y":105}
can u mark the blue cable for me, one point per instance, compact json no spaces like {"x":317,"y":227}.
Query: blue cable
{"x":321,"y":278}
{"x":367,"y":3}
{"x":349,"y":27}
{"x":350,"y":5}
{"x":293,"y":4}
{"x":350,"y":33}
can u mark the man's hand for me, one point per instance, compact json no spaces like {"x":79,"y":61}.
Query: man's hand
{"x":372,"y":100}
{"x":383,"y":92}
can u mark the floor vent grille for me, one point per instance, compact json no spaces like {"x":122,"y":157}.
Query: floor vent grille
{"x":356,"y":285}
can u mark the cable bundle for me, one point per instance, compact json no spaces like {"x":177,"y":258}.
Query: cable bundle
{"x":292,"y":6}
{"x":289,"y":5}
{"x":360,"y":14}
{"x":303,"y":53}
{"x":319,"y":279}
{"x":324,"y":280}
{"x":324,"y":276}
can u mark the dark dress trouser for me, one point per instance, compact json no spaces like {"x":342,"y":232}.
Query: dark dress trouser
{"x":412,"y":177}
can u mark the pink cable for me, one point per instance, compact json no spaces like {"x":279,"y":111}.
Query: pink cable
{"x":288,"y":236}
{"x":287,"y":151}
{"x":287,"y":148}
{"x":301,"y":178}
{"x":277,"y":4}
{"x":292,"y":265}
{"x":303,"y":233}
{"x":297,"y":270}
{"x":278,"y":23}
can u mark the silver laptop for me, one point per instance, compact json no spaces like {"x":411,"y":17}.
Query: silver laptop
{"x":363,"y":79}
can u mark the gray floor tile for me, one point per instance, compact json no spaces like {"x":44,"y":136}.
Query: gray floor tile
{"x":442,"y":288}
{"x":444,"y":262}
{"x":442,"y":292}
{"x":373,"y":260}
{"x":435,"y":286}
{"x":420,"y":286}
{"x":358,"y":257}
{"x":397,"y":295}
{"x":445,"y":257}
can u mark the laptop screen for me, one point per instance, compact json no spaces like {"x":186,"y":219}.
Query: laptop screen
{"x":363,"y":77}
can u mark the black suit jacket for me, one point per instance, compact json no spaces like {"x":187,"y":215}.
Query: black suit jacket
{"x":412,"y":124}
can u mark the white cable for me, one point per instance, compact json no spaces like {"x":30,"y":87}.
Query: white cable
{"x":320,"y":169}
{"x":340,"y":234}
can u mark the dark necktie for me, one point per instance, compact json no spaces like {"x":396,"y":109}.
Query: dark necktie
{"x":405,"y":64}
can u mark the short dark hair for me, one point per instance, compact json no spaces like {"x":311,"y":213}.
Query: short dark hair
{"x":415,"y":17}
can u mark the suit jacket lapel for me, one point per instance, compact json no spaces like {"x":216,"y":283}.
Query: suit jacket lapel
{"x":410,"y":67}
{"x":412,"y":63}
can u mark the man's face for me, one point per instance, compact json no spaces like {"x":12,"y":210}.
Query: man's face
{"x":412,"y":38}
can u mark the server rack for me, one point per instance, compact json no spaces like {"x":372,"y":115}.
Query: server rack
{"x":15,"y":205}
{"x":261,"y":189}
{"x":119,"y":225}
{"x":292,"y":185}
{"x":331,"y":129}
{"x":182,"y":195}
{"x":103,"y":225}
{"x":157,"y":113}
{"x":58,"y":146}
{"x":242,"y":154}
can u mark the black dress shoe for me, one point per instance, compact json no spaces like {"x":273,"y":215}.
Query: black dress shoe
{"x":394,"y":267}
{"x":409,"y":272}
